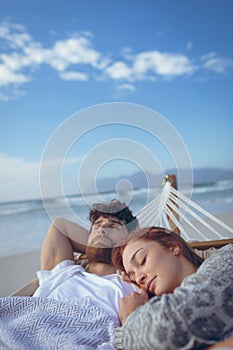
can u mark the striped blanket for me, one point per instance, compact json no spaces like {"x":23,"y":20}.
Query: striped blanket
{"x":37,"y":323}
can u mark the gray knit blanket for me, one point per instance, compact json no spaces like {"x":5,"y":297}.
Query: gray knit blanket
{"x":37,"y":323}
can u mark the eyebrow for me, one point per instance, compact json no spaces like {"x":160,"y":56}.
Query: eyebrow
{"x":118,"y":221}
{"x":111,"y":221}
{"x":132,"y":259}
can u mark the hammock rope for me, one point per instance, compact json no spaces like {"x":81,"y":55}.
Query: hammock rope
{"x":202,"y":210}
{"x":186,"y":215}
{"x":150,"y":212}
{"x":202,"y":221}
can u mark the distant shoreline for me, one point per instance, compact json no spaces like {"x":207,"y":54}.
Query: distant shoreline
{"x":106,"y":185}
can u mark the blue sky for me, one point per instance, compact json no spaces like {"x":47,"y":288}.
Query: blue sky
{"x":60,"y":57}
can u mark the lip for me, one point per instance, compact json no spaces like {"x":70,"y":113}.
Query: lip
{"x":100,"y":240}
{"x":148,"y":286}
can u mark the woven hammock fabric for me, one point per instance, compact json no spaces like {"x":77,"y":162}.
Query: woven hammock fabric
{"x":37,"y":323}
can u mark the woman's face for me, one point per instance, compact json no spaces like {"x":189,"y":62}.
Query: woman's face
{"x":152,"y":266}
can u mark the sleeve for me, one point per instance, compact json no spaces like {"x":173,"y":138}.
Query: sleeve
{"x":199,"y":312}
{"x":44,"y":275}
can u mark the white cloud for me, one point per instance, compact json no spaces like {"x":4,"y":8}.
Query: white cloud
{"x":53,"y":163}
{"x":20,"y":179}
{"x":73,"y":51}
{"x":127,"y":53}
{"x":216,"y":64}
{"x":126,"y":87}
{"x":75,"y":76}
{"x":10,"y":77}
{"x":119,"y":70}
{"x":148,"y":65}
{"x":10,"y":166}
{"x":20,"y":55}
{"x":12,"y":92}
{"x":163,"y":64}
{"x":14,"y":34}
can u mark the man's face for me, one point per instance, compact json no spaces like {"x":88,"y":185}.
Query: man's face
{"x":106,"y":232}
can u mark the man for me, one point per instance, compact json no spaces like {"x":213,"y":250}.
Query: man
{"x":73,"y":308}
{"x":62,"y":280}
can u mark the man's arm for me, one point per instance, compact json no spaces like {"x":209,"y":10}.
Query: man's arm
{"x":199,"y":312}
{"x":63,"y":238}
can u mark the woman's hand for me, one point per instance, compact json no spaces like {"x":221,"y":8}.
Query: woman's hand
{"x":130,"y":303}
{"x":224,"y":344}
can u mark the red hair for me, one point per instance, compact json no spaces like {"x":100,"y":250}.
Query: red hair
{"x":161,"y":235}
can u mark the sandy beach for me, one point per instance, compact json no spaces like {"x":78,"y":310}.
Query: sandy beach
{"x":18,"y":270}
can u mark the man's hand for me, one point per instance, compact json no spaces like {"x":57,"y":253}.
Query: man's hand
{"x":130,"y":303}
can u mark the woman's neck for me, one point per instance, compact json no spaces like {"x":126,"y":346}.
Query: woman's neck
{"x":188,"y":269}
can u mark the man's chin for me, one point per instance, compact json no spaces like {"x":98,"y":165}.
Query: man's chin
{"x":101,"y":243}
{"x":99,"y":254}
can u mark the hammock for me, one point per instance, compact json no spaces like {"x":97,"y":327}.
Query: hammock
{"x":178,"y":213}
{"x":171,"y":209}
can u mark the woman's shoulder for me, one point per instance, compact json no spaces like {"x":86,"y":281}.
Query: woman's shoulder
{"x":226,"y":248}
{"x":224,"y":253}
{"x":219,"y":263}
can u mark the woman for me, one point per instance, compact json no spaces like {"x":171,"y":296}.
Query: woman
{"x":160,"y":264}
{"x":193,"y":304}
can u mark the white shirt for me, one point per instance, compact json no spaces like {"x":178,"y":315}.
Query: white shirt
{"x":68,"y":283}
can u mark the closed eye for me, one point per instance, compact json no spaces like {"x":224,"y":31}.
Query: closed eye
{"x":116,"y":225}
{"x":143,"y":261}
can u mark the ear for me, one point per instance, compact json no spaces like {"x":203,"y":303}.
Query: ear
{"x":175,"y":249}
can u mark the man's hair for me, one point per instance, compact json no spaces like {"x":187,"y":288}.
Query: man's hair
{"x":116,"y":209}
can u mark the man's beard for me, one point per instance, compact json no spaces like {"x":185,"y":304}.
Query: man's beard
{"x":99,"y":255}
{"x":99,"y":250}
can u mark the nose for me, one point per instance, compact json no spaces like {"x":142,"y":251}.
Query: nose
{"x":140,"y":278}
{"x":104,"y":223}
{"x":103,"y":227}
{"x":101,"y":230}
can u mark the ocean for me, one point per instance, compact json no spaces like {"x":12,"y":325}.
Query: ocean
{"x":23,"y":224}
